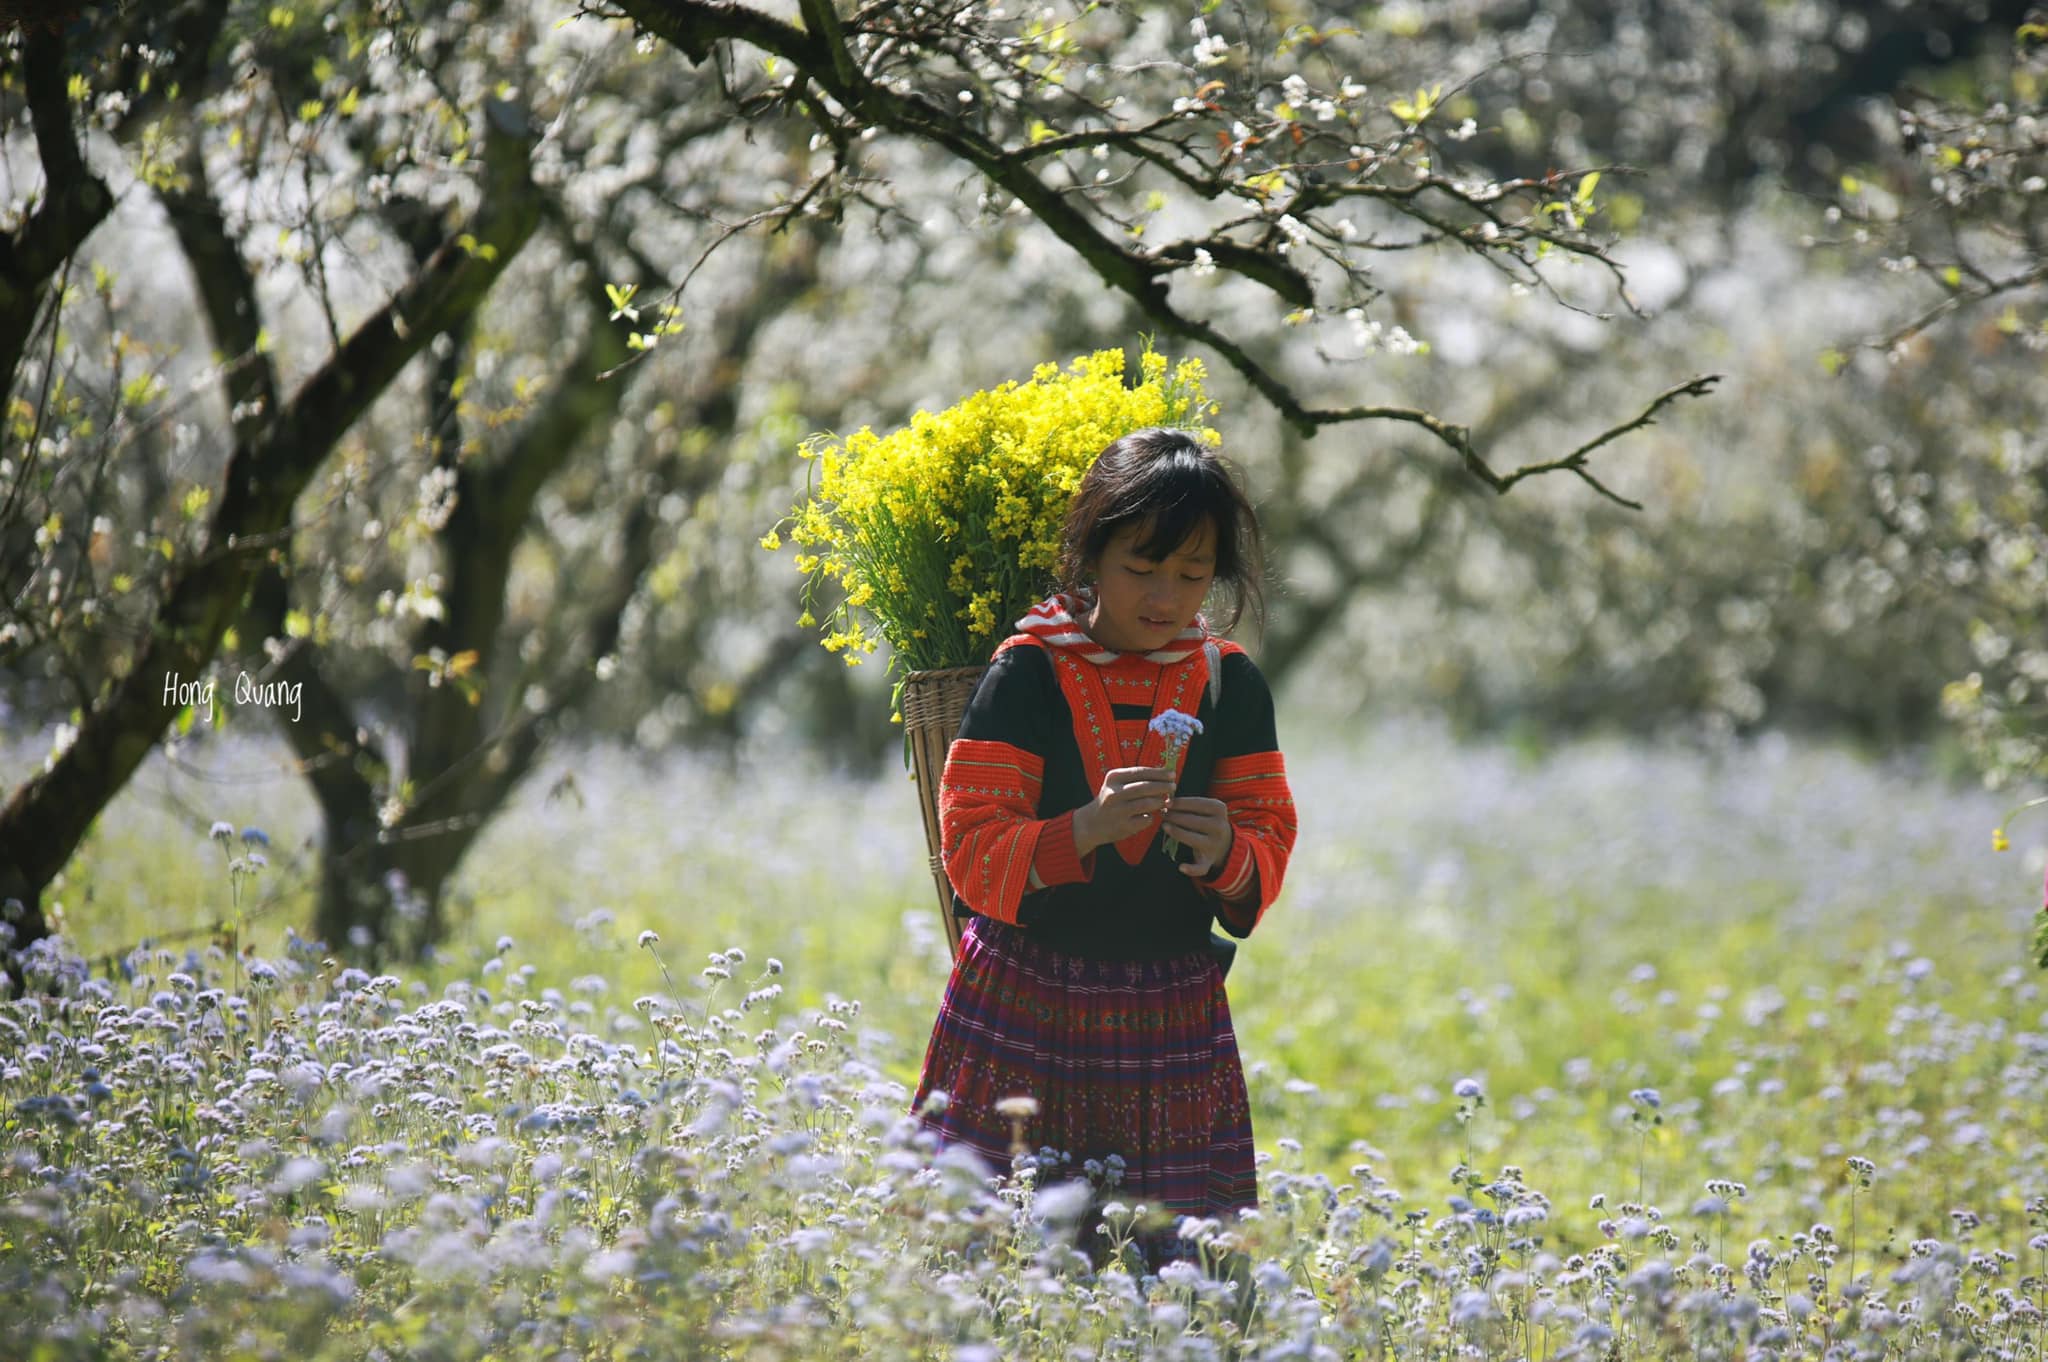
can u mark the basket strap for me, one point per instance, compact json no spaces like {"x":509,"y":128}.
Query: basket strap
{"x":1215,"y":673}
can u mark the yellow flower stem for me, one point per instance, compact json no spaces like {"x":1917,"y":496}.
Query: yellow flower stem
{"x":1999,"y":841}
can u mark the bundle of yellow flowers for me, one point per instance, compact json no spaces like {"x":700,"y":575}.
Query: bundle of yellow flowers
{"x":942,"y":533}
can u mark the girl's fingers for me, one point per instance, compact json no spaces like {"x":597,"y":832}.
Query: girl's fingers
{"x":1180,"y":824}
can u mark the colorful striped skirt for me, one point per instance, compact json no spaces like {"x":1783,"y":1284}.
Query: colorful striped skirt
{"x":1135,"y":1058}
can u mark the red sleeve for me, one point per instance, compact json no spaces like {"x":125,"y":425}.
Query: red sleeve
{"x":986,"y":800}
{"x":995,"y":844}
{"x":1056,"y":862}
{"x":1254,"y":789}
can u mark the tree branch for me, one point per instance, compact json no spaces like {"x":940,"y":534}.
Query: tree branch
{"x":1956,"y":299}
{"x":492,"y":507}
{"x":697,"y":27}
{"x":75,"y":201}
{"x":227,"y":293}
{"x":1575,"y":462}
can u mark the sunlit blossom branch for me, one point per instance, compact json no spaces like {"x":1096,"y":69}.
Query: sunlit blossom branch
{"x":1086,"y":140}
{"x":1285,"y":281}
{"x":697,"y":28}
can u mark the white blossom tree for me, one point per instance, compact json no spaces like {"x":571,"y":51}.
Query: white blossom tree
{"x":1954,"y":205}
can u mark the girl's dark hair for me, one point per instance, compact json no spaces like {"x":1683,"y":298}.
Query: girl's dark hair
{"x":1168,"y":480}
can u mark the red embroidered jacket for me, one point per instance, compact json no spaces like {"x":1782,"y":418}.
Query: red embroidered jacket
{"x":1044,"y":726}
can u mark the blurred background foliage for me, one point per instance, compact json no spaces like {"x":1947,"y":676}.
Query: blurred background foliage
{"x":540,"y":519}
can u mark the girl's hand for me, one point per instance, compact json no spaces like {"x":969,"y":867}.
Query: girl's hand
{"x":1129,"y":801}
{"x":1203,"y":825}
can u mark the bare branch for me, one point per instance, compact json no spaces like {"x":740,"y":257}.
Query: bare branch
{"x":1575,"y":461}
{"x":74,"y":201}
{"x":1955,"y":299}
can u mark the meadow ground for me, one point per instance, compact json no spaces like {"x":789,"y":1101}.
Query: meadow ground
{"x":1619,"y":1048}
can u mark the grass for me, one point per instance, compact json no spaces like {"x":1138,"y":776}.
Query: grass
{"x":1691,"y":989}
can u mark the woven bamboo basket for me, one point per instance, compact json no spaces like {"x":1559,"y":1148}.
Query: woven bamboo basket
{"x":933,"y":702}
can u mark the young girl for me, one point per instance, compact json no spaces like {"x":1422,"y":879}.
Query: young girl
{"x":1085,"y":981}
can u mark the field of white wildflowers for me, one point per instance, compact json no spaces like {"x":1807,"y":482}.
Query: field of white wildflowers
{"x":1618,"y":1051}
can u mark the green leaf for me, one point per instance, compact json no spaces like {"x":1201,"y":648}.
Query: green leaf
{"x":1266,"y":185}
{"x":1587,"y":183}
{"x":1417,"y":109}
{"x":297,"y":624}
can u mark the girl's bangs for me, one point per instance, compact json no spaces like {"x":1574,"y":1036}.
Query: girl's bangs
{"x":1176,"y":503}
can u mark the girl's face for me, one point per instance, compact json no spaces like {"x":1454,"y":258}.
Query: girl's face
{"x":1141,"y":603}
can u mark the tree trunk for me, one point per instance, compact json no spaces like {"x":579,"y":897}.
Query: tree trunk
{"x":21,"y":926}
{"x":467,"y":760}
